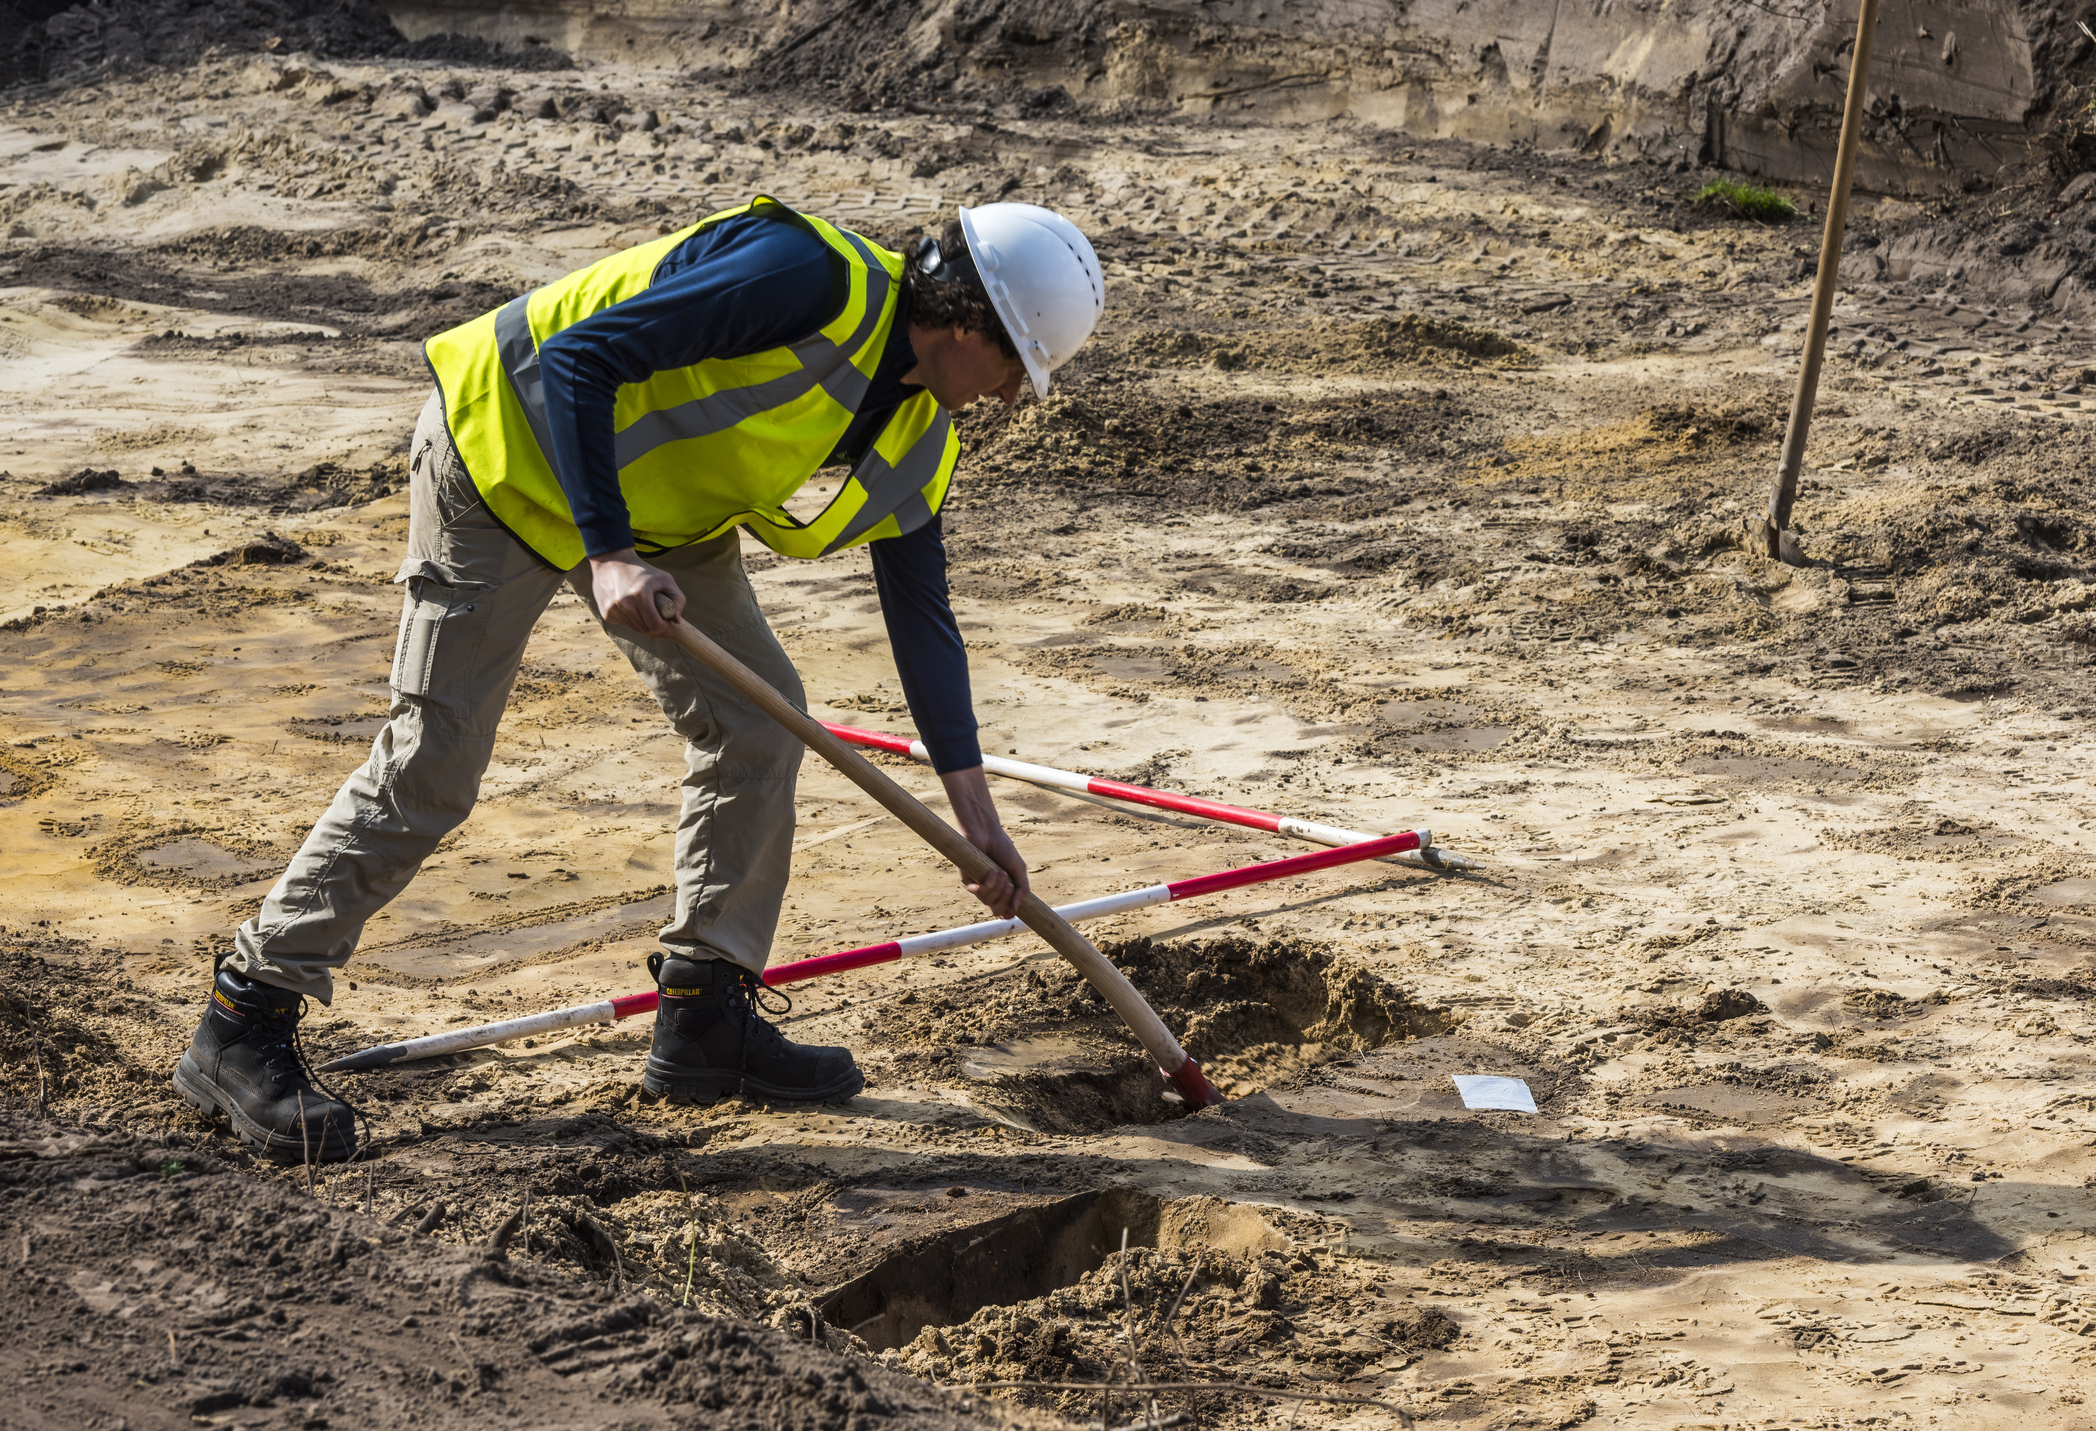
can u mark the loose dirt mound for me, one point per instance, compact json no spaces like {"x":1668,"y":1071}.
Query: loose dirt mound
{"x":203,"y":1290}
{"x":60,"y":1052}
{"x":326,"y":484}
{"x":1373,"y":347}
{"x":1642,"y":457}
{"x":268,"y":549}
{"x":77,"y":44}
{"x":210,"y":1258}
{"x":1093,"y":464}
{"x":86,"y":480}
{"x":360,"y":308}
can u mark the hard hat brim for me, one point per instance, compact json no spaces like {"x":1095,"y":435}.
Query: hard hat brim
{"x":1000,"y":303}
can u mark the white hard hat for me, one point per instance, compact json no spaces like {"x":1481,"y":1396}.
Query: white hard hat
{"x":1043,"y":279}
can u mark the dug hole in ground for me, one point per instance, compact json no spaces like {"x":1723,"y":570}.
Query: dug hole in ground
{"x":1403,"y":486}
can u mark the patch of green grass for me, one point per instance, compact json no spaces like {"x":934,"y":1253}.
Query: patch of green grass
{"x":1747,"y":202}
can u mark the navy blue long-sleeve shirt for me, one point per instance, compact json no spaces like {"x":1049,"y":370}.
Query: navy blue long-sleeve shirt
{"x":745,"y":285}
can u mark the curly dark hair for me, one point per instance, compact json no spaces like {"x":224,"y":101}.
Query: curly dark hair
{"x":953,"y":295}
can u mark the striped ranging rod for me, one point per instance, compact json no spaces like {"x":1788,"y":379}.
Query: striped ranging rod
{"x":1082,"y":784}
{"x":611,"y":1010}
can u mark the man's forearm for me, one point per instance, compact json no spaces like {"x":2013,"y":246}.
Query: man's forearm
{"x":931,"y":658}
{"x":976,"y":813}
{"x":968,"y":791}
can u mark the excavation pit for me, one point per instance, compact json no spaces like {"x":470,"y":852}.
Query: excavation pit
{"x":1028,"y":1254}
{"x":1021,"y":1255}
{"x":1039,"y":1050}
{"x":1203,"y":1282}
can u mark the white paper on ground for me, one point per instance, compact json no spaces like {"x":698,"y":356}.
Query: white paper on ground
{"x":1491,"y":1091}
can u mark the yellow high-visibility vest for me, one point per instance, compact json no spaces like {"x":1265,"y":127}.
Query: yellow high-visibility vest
{"x":704,"y":448}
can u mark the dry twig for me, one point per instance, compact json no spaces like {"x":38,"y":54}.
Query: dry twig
{"x":1128,"y":1310}
{"x":691,"y":1237}
{"x":1184,"y":1287}
{"x":1140,"y":1377}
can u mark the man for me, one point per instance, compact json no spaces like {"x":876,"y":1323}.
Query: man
{"x":614,"y":430}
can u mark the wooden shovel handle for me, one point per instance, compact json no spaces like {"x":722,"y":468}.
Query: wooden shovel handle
{"x":1113,"y":986}
{"x":1785,"y":495}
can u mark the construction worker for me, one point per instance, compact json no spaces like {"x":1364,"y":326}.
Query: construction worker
{"x":617,"y":430}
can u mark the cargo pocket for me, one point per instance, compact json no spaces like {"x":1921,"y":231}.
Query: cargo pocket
{"x":428,"y":606}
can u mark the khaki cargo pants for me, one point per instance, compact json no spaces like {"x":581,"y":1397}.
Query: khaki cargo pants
{"x":473,"y":594}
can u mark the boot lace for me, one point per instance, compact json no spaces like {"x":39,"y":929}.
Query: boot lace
{"x":750,"y":992}
{"x":276,"y":1033}
{"x":746,"y":997}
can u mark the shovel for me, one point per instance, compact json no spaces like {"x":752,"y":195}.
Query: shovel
{"x":1172,"y":1061}
{"x":1775,"y":536}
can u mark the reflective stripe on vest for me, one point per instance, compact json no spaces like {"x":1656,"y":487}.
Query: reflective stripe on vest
{"x":705,"y":448}
{"x":898,"y":488}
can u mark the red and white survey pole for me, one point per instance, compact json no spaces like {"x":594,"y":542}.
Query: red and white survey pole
{"x":1143,"y":898}
{"x":611,"y":1010}
{"x":1082,"y":784}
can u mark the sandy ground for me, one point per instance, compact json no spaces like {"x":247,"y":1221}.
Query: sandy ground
{"x":1402,"y":487}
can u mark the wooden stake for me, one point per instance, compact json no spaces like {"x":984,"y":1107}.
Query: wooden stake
{"x":1777,"y":539}
{"x":1142,"y":1021}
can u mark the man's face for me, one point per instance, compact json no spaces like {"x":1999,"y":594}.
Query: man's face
{"x":970,"y":365}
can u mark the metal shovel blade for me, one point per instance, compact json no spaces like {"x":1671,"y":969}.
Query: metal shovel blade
{"x":1776,"y":543}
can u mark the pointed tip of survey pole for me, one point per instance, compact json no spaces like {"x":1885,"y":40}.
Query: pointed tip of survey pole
{"x":369,"y":1058}
{"x":1193,"y":1085}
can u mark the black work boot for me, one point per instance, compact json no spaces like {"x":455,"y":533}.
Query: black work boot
{"x":711,"y":1041}
{"x":245,"y":1063}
